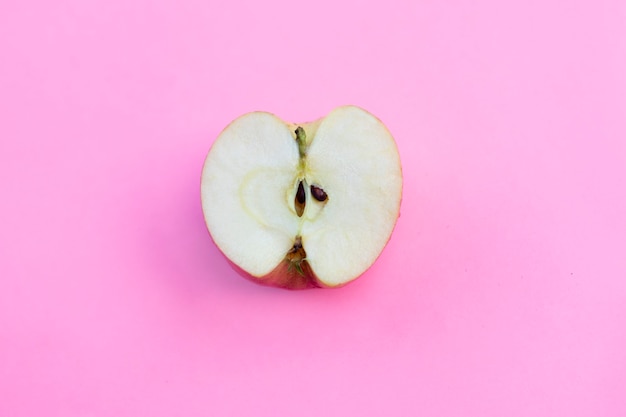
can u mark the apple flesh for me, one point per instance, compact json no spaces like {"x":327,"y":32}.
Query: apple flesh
{"x":302,"y":205}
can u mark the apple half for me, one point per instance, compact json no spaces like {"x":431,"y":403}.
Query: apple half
{"x":302,"y":205}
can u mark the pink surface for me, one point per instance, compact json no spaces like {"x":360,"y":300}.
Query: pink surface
{"x":502,"y":291}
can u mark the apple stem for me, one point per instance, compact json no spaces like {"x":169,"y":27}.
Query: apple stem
{"x":301,"y":140}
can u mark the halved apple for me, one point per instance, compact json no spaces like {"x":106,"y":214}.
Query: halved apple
{"x":302,"y":205}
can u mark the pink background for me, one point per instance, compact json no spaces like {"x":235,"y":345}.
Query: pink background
{"x":502,"y":291}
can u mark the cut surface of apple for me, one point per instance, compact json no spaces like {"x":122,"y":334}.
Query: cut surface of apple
{"x":301,"y":205}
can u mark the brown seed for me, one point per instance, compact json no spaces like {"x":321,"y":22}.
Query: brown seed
{"x":318,"y":193}
{"x":300,"y":195}
{"x":300,"y":199}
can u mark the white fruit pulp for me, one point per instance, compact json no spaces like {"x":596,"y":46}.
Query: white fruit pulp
{"x":250,"y":179}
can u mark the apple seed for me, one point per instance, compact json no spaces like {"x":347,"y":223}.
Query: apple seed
{"x":318,"y":193}
{"x":300,"y":200}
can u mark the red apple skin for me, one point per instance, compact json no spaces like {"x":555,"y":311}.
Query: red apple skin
{"x":283,"y":277}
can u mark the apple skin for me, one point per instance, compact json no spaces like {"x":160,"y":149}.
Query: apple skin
{"x":282,"y":277}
